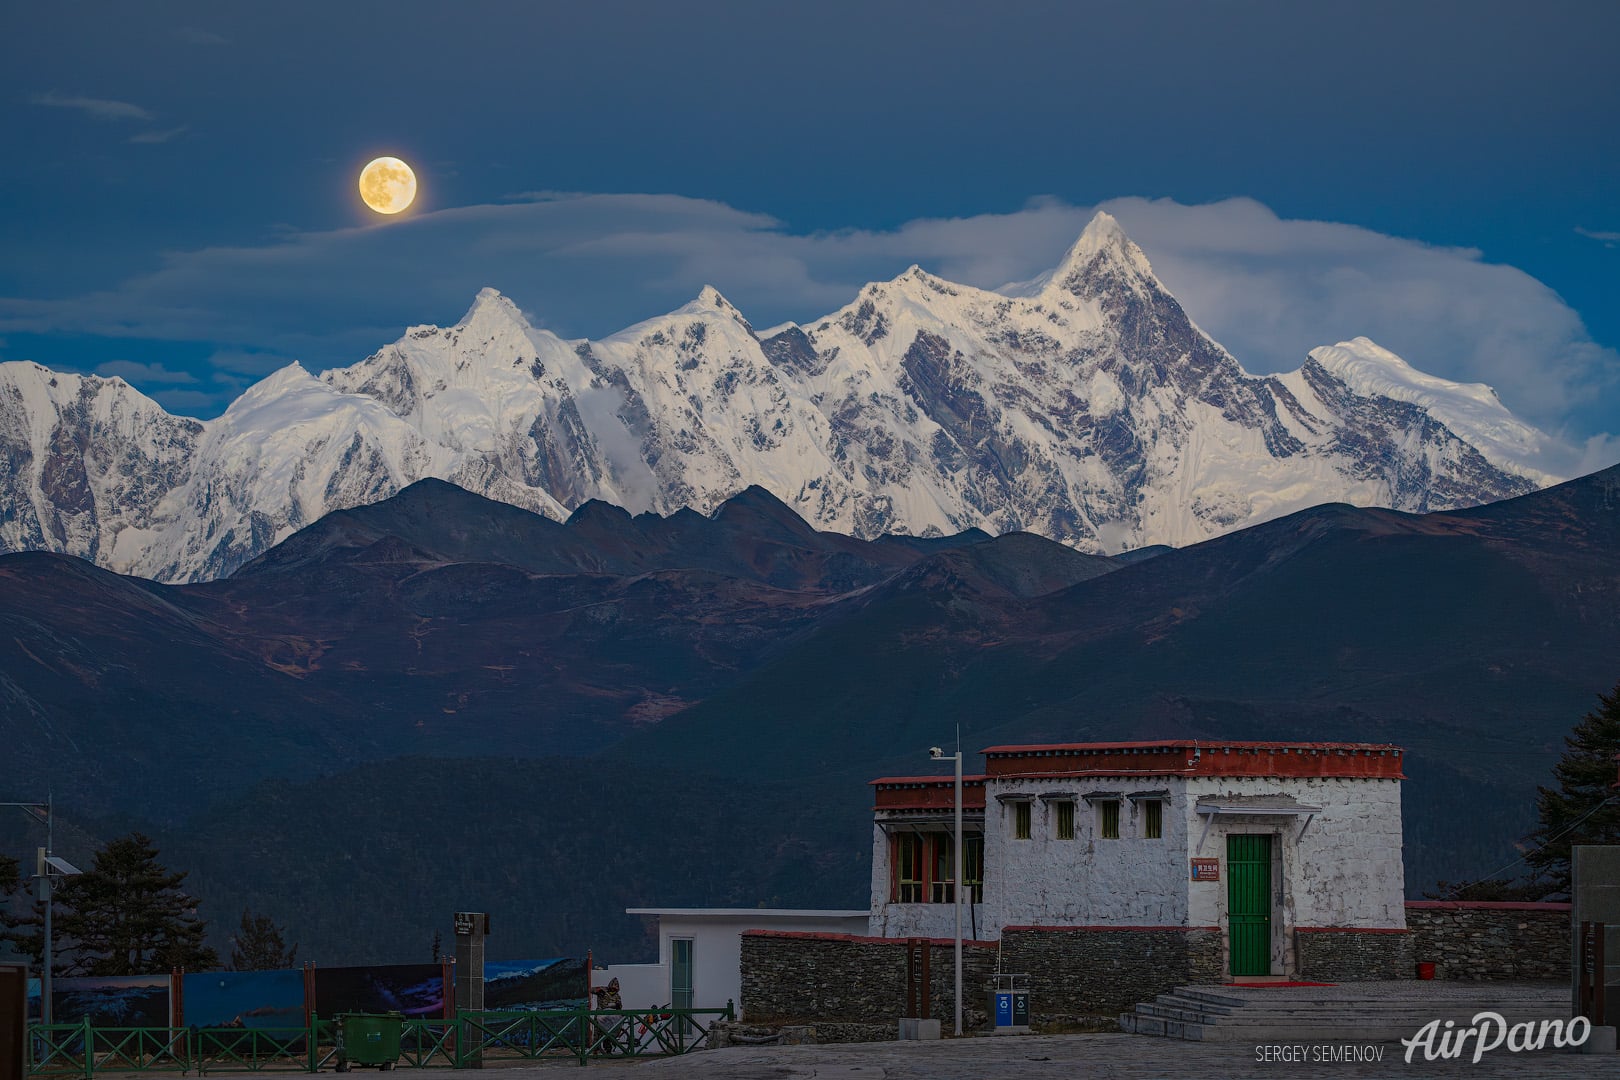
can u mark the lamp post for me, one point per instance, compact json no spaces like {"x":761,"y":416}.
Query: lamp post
{"x":46,"y":867}
{"x":956,"y":869}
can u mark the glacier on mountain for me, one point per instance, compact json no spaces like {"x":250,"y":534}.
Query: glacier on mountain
{"x":1085,"y":406}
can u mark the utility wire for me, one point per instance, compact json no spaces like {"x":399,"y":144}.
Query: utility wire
{"x":1492,"y":875}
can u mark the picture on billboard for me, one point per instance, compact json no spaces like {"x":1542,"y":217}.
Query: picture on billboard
{"x":535,"y":984}
{"x":110,"y":1001}
{"x":243,"y":999}
{"x":410,"y":989}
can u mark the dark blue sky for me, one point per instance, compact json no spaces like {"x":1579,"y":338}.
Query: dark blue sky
{"x":144,"y":139}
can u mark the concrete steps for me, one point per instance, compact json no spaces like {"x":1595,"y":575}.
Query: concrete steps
{"x":1353,"y":1012}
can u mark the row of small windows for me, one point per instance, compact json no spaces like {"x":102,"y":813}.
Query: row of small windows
{"x":1152,"y":825}
{"x":923,"y":873}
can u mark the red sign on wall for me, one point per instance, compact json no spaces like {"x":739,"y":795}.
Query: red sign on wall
{"x":1206,"y":869}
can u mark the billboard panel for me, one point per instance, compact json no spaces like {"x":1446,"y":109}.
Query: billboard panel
{"x":535,"y":984}
{"x":243,"y":999}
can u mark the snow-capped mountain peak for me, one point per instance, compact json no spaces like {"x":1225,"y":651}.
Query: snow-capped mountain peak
{"x":1084,"y":406}
{"x":709,"y":301}
{"x":490,"y":302}
{"x":1103,"y":259}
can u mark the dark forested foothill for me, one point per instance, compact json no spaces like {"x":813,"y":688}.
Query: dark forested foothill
{"x":439,"y":703}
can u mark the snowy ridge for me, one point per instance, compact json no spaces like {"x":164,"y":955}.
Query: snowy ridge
{"x":1084,"y":406}
{"x":1471,"y":410}
{"x":84,"y":460}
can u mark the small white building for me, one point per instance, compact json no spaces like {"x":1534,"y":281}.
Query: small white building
{"x":700,"y":953}
{"x":1260,"y":841}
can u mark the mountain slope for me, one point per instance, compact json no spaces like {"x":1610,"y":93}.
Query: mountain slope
{"x":721,"y":668}
{"x":1086,"y":408}
{"x":435,"y":622}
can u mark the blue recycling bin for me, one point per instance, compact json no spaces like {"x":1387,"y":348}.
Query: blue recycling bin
{"x":1010,"y":1003}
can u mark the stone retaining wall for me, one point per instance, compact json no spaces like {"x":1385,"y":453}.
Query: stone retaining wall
{"x":860,"y":980}
{"x":1082,"y":972}
{"x":1476,"y":940}
{"x":1333,"y":954}
{"x":1077,"y":974}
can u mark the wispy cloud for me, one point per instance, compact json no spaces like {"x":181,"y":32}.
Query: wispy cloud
{"x":100,"y":108}
{"x":132,"y":371}
{"x":159,"y":136}
{"x":1609,"y":239}
{"x":195,"y":35}
{"x":247,"y":362}
{"x":1268,"y":288}
{"x":191,"y":402}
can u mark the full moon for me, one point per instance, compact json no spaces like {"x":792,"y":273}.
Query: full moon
{"x":387,"y":185}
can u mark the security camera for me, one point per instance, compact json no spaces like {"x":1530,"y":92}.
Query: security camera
{"x":935,"y":752}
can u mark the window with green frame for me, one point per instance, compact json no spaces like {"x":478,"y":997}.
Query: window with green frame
{"x":1153,"y":820}
{"x":1021,"y":821}
{"x":973,"y":868}
{"x":908,"y":868}
{"x":1108,"y":819}
{"x":1064,"y":819}
{"x":942,"y":883}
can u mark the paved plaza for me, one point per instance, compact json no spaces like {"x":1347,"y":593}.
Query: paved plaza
{"x":1333,"y":1031}
{"x":1050,"y":1057}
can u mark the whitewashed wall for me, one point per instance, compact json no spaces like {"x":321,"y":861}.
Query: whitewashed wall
{"x":918,"y":920}
{"x":716,"y":951}
{"x":1087,"y":881}
{"x":641,"y":986}
{"x":1345,"y":870}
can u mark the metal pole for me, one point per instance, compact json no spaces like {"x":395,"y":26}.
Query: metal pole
{"x":43,"y":872}
{"x":45,"y":1010}
{"x":961,"y":881}
{"x":45,"y":972}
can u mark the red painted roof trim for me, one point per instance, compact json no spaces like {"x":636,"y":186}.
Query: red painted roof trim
{"x":1097,"y":929}
{"x":1486,"y":905}
{"x":1168,"y":744}
{"x":812,"y":935}
{"x":948,"y":781}
{"x":1192,"y":757}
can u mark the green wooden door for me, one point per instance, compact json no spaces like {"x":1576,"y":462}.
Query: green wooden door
{"x":1248,"y":904}
{"x":680,"y":973}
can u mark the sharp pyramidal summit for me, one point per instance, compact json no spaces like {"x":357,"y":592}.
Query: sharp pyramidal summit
{"x":1084,"y":406}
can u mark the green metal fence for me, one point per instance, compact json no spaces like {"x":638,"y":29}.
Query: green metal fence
{"x":82,"y":1050}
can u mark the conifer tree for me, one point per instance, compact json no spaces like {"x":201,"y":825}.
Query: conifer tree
{"x":1585,"y":806}
{"x":259,"y":945}
{"x":10,"y":922}
{"x":128,"y":916}
{"x":24,"y":933}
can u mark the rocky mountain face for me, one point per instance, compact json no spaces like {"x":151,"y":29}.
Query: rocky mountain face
{"x":1085,"y":407}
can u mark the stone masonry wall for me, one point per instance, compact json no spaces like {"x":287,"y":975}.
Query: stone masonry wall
{"x":1339,"y":955}
{"x":805,"y":977}
{"x":1085,"y":972}
{"x":1474,"y":940}
{"x":1090,"y":971}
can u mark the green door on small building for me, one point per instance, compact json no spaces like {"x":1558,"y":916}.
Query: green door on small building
{"x":1248,"y":904}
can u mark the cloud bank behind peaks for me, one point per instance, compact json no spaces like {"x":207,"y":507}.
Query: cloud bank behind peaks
{"x":585,"y":265}
{"x":1270,"y":289}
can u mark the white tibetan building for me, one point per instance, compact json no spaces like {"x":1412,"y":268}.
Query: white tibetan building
{"x":1265,"y":843}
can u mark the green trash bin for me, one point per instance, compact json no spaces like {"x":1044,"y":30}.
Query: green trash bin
{"x":368,"y":1040}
